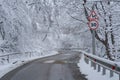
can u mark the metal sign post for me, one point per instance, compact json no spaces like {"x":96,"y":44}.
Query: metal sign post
{"x":93,"y":47}
{"x":93,"y":42}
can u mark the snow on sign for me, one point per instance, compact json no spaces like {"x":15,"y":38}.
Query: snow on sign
{"x":93,"y":24}
{"x":93,"y":15}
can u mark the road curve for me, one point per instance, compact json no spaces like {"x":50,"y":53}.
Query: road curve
{"x":59,"y":67}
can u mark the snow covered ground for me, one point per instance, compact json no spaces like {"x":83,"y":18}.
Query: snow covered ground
{"x":92,"y":74}
{"x":8,"y":67}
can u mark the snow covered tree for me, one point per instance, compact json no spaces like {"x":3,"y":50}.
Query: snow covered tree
{"x":105,"y":33}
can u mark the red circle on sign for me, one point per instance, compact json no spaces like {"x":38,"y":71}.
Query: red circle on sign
{"x":91,"y":23}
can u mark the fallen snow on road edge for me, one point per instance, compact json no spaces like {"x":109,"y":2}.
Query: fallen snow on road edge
{"x":92,"y":74}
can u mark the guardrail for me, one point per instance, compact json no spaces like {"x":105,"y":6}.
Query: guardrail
{"x":99,"y":64}
{"x":7,"y":58}
{"x":102,"y":64}
{"x":16,"y":56}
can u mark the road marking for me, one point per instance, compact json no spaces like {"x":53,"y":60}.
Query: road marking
{"x":67,"y":54}
{"x":55,"y":62}
{"x":50,"y":61}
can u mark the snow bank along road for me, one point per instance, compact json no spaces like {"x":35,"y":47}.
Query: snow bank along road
{"x":59,"y":67}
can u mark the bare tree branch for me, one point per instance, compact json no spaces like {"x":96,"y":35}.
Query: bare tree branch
{"x":76,"y":18}
{"x":45,"y":37}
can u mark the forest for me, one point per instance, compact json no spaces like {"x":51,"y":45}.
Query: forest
{"x":39,"y":25}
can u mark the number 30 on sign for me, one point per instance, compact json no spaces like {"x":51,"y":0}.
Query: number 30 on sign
{"x":93,"y":24}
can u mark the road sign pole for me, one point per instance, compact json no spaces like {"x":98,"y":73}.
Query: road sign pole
{"x":93,"y":42}
{"x":93,"y":47}
{"x":93,"y":25}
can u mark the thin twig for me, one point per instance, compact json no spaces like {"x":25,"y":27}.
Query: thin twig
{"x":76,"y":18}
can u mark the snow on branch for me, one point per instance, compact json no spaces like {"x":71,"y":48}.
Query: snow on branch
{"x":76,"y":18}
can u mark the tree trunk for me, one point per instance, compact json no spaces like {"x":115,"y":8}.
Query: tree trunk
{"x":108,"y":52}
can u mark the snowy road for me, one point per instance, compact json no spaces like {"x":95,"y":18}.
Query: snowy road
{"x":58,"y":67}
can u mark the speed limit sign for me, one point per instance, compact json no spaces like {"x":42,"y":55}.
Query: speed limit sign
{"x":93,"y":24}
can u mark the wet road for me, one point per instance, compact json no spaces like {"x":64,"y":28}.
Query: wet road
{"x":58,"y":67}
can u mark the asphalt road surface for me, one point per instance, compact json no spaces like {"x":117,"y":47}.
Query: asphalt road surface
{"x":59,"y":67}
